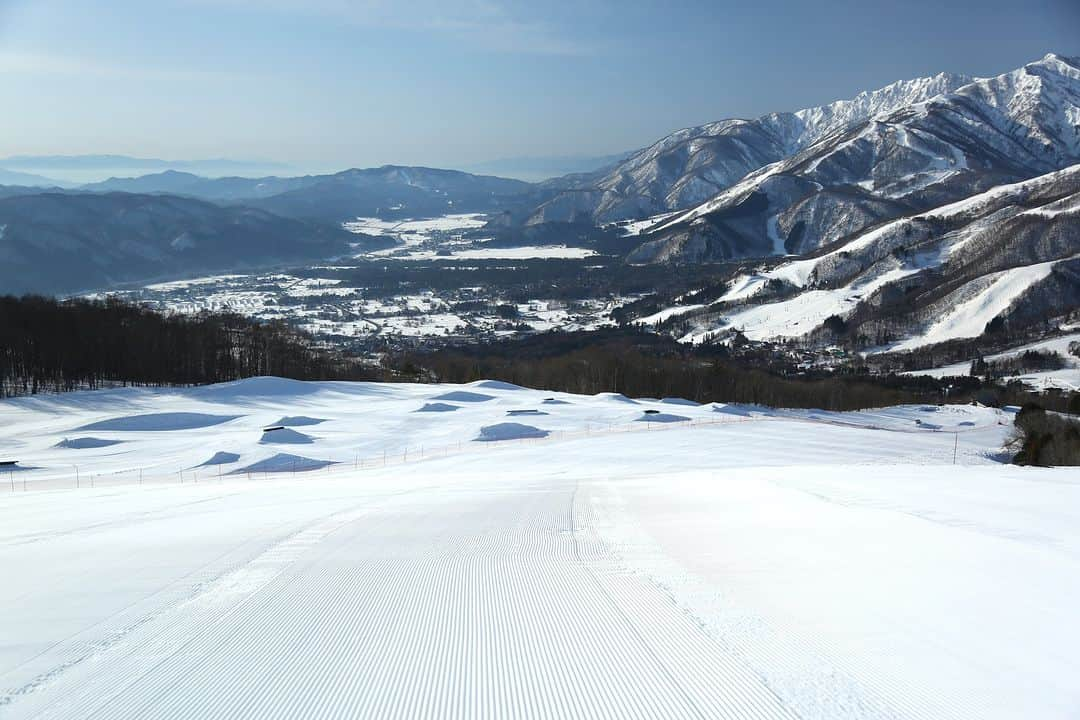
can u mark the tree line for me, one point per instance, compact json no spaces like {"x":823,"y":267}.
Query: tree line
{"x":648,"y":365}
{"x":49,"y":345}
{"x":1046,"y":439}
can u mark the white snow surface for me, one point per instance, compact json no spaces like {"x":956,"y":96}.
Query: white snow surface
{"x":742,"y":563}
{"x":523,"y":252}
{"x":793,"y":316}
{"x":969,"y":318}
{"x":1066,"y":378}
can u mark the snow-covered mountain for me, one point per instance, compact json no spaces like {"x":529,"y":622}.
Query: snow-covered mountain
{"x":915,"y":157}
{"x":692,"y":165}
{"x":1009,"y":256}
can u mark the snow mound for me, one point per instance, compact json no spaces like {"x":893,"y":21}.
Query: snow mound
{"x":509,"y":431}
{"x":553,"y":401}
{"x":221,"y":458}
{"x":464,"y":396}
{"x":680,"y":401}
{"x":285,"y":436}
{"x":617,"y":397}
{"x":299,"y":421}
{"x":742,"y":410}
{"x":662,"y":418}
{"x":160,"y":422}
{"x":256,"y":387}
{"x":284,"y":462}
{"x":438,"y":407}
{"x":86,"y":443}
{"x":497,"y":385}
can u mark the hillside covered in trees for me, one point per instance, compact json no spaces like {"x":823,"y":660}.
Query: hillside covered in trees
{"x":48,"y":345}
{"x":641,"y":364}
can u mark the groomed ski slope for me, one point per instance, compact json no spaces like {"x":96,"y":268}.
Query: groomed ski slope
{"x":730,"y":562}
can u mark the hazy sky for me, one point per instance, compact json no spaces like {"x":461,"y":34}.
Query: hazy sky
{"x":326,"y":84}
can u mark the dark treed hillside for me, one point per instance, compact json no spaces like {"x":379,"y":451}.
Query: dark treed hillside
{"x":645,"y":365}
{"x":1046,"y":439}
{"x":66,"y":243}
{"x":52,"y":346}
{"x":55,"y":346}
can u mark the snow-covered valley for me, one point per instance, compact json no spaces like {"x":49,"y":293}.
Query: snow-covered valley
{"x":492,"y":551}
{"x":436,"y":282}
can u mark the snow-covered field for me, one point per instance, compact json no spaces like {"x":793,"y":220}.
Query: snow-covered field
{"x":1067,"y":378}
{"x":525,"y":252}
{"x":355,"y":307}
{"x":488,"y":551}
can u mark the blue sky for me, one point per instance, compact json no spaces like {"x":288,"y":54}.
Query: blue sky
{"x":327,"y":84}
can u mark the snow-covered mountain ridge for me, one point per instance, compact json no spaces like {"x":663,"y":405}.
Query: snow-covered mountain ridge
{"x":692,"y":164}
{"x":988,"y":132}
{"x":1010,"y":254}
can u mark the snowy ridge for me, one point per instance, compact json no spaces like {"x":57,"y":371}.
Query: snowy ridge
{"x":958,"y":235}
{"x":693,"y":164}
{"x":817,"y":122}
{"x":914,"y":156}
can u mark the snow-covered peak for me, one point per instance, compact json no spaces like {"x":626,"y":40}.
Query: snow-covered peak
{"x":817,"y":122}
{"x":804,"y":127}
{"x":1060,"y":63}
{"x":1039,"y":104}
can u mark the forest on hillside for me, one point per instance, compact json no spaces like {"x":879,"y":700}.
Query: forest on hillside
{"x":642,"y":364}
{"x":48,"y":345}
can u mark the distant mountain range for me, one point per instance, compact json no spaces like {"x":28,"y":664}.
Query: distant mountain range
{"x":23,"y":179}
{"x":175,"y":223}
{"x":862,"y":193}
{"x":76,"y":169}
{"x":391,"y":191}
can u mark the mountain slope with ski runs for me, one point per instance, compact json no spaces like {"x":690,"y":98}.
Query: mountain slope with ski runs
{"x":901,"y":206}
